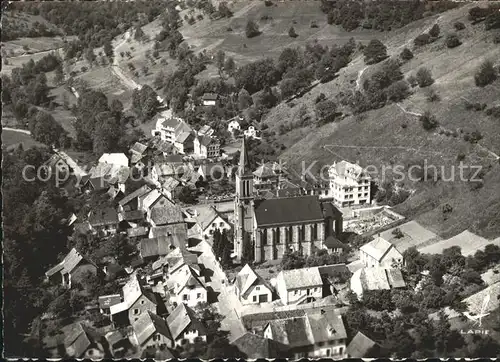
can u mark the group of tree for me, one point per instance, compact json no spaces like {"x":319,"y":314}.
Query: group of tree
{"x":381,"y":15}
{"x":490,"y":15}
{"x":375,"y":52}
{"x":145,"y":102}
{"x":252,"y":29}
{"x":486,"y":74}
{"x":169,"y":38}
{"x":297,"y":260}
{"x":34,"y":238}
{"x":222,"y":247}
{"x":45,"y":129}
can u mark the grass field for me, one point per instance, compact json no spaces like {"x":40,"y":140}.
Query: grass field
{"x":10,"y":138}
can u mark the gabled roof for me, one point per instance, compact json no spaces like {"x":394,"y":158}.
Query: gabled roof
{"x":133,"y":215}
{"x":209,"y":97}
{"x":138,"y":231}
{"x":69,"y":263}
{"x":106,"y":301}
{"x":332,"y":242}
{"x":183,"y":136}
{"x":372,"y":278}
{"x":377,"y":248}
{"x":132,"y":291}
{"x":168,"y":214}
{"x":177,"y":233}
{"x":347,"y":169}
{"x":187,"y":277}
{"x":135,"y":194}
{"x":248,"y":277}
{"x":330,"y":210}
{"x":255,"y":346}
{"x":155,"y":246}
{"x":119,"y":159}
{"x":147,"y":325}
{"x":78,"y":339}
{"x":138,"y":148}
{"x":361,"y":346}
{"x":291,"y":210}
{"x":106,"y":216}
{"x":265,"y":170}
{"x":181,"y":318}
{"x":395,"y":278}
{"x":300,"y":278}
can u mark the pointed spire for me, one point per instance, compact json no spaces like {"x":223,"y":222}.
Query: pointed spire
{"x":244,"y":166}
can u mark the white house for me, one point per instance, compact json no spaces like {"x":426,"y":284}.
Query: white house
{"x":210,"y":220}
{"x":376,"y":278}
{"x":299,"y":285}
{"x":349,"y":184}
{"x":185,"y":327}
{"x":209,"y":99}
{"x":251,"y":132}
{"x":118,"y":159}
{"x":188,"y":286}
{"x":151,"y":330}
{"x":233,"y":125}
{"x":251,"y":288}
{"x":380,"y":252}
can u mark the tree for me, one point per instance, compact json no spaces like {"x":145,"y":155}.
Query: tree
{"x":226,"y":250}
{"x":422,"y":39}
{"x":293,"y":260}
{"x":45,"y":129}
{"x":435,"y":31}
{"x":187,"y":196}
{"x":230,"y":66}
{"x":219,"y":61}
{"x":59,"y":75}
{"x":252,"y":29}
{"x":108,"y":49}
{"x":224,"y":10}
{"x":378,"y":300}
{"x":247,"y":254}
{"x":398,"y":91}
{"x":424,"y":77}
{"x":406,"y":54}
{"x":458,"y":25}
{"x":90,"y":56}
{"x":244,"y":99}
{"x":292,"y":33}
{"x":325,"y":111}
{"x":452,"y":41}
{"x":486,"y":74}
{"x":107,"y":134}
{"x":139,"y":34}
{"x":374,"y":52}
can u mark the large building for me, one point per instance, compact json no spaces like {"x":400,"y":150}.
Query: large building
{"x":276,"y":225}
{"x":349,"y":184}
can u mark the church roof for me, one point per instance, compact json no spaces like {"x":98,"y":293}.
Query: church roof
{"x":290,"y":210}
{"x":244,"y":165}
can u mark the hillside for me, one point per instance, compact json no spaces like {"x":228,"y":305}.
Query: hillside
{"x":394,"y":136}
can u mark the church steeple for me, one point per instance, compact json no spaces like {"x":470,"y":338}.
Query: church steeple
{"x":244,"y":165}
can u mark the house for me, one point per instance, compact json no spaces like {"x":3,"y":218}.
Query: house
{"x":349,"y":184}
{"x":211,"y":171}
{"x":206,"y":130}
{"x":131,"y":201}
{"x":299,"y":285}
{"x":254,"y":346}
{"x":251,"y":132}
{"x":83,"y":342}
{"x":376,"y":278}
{"x":104,"y":221}
{"x":251,"y":288}
{"x":266,"y":176}
{"x":175,"y":233}
{"x":137,"y":152}
{"x":151,"y":331}
{"x":209,"y":99}
{"x":315,"y":334}
{"x":206,"y":146}
{"x":109,"y":174}
{"x":189,"y":288}
{"x":335,"y":246}
{"x":380,"y":252}
{"x":118,"y":343}
{"x":233,"y":125}
{"x":164,"y":211}
{"x":136,"y":300}
{"x":72,"y":269}
{"x":152,"y":248}
{"x":362,"y":347}
{"x":185,"y":327}
{"x":118,"y":159}
{"x":210,"y":220}
{"x":106,"y":301}
{"x":176,"y":132}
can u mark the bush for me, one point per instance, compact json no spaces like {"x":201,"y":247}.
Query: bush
{"x":375,"y":52}
{"x":452,"y":41}
{"x":485,"y":75}
{"x":424,"y":77}
{"x":412,"y":81}
{"x":314,"y":24}
{"x":422,"y":40}
{"x":292,"y":33}
{"x":459,"y":26}
{"x":252,"y":29}
{"x":406,"y":54}
{"x":398,"y":91}
{"x":432,"y":95}
{"x":494,"y":112}
{"x":268,"y":3}
{"x":435,"y":31}
{"x":496,"y":39}
{"x":428,"y":120}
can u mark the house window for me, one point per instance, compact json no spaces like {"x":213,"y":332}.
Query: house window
{"x":341,"y":350}
{"x":314,"y":231}
{"x":254,"y":298}
{"x":264,"y":236}
{"x":296,"y":292}
{"x":198,"y":296}
{"x":185,"y":297}
{"x":136,"y":311}
{"x":221,"y":224}
{"x":214,"y":225}
{"x":257,"y":287}
{"x":142,"y":301}
{"x":156,"y":337}
{"x":184,"y":341}
{"x":328,"y":352}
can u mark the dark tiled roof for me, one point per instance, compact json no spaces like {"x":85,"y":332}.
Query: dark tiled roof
{"x":288,"y":210}
{"x":254,"y":346}
{"x":149,"y":324}
{"x":209,"y":97}
{"x":155,"y":246}
{"x":169,"y":214}
{"x":332,"y":242}
{"x":107,"y":301}
{"x":181,"y":318}
{"x":329,"y":210}
{"x":139,"y":192}
{"x":133,"y":215}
